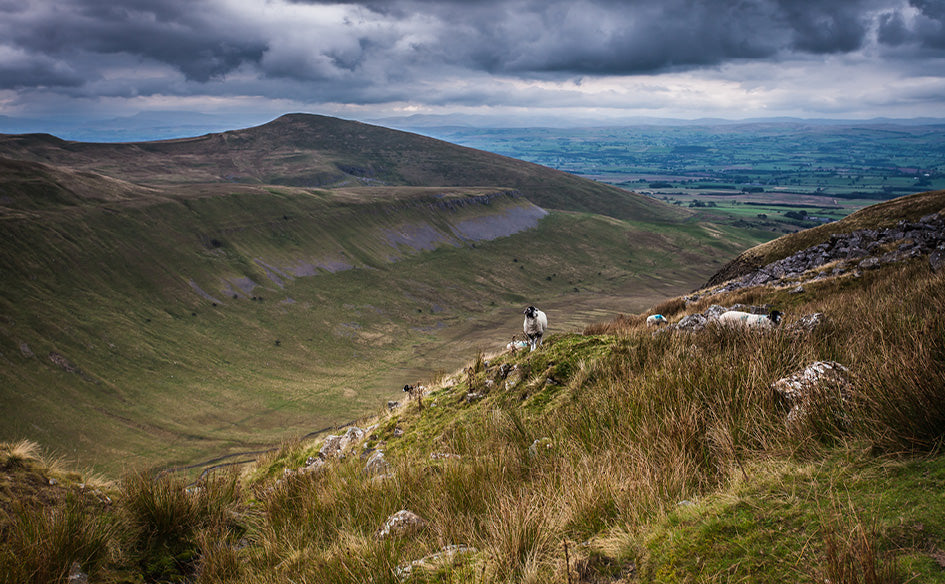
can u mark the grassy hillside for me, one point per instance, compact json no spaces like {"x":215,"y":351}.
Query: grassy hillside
{"x":608,"y":455}
{"x":145,"y":325}
{"x":320,"y":152}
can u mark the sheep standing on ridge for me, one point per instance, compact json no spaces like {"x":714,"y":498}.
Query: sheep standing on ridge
{"x":739,"y":318}
{"x":656,"y":320}
{"x":535,"y":324}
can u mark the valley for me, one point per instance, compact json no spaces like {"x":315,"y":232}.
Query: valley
{"x":155,"y":313}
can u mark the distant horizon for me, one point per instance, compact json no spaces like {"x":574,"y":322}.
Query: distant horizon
{"x":226,"y":64}
{"x":168,"y":125}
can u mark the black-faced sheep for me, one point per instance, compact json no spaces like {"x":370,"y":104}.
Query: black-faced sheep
{"x":739,"y":318}
{"x":535,"y":324}
{"x":415,"y":392}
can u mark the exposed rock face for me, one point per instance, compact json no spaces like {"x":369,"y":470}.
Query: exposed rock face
{"x":863,"y":249}
{"x":399,"y":524}
{"x":336,"y":445}
{"x":827,"y":381}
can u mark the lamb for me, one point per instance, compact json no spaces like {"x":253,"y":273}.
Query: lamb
{"x":739,"y":318}
{"x":535,"y":324}
{"x":656,"y":320}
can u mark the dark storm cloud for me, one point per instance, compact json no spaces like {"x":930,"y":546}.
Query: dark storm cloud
{"x":636,"y":36}
{"x":372,"y":51}
{"x":184,"y":35}
{"x":206,"y":40}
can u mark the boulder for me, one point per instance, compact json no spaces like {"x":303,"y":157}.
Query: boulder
{"x":399,"y":524}
{"x":937,"y":259}
{"x":448,"y":556}
{"x":821,"y":380}
{"x":807,"y":323}
{"x":376,"y":463}
{"x":336,"y":445}
{"x":693,"y":322}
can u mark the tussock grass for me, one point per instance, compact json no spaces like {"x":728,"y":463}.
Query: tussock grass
{"x":666,"y":456}
{"x":166,"y":525}
{"x":853,"y":552}
{"x":16,"y":454}
{"x":43,"y":544}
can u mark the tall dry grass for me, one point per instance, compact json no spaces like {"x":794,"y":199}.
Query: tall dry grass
{"x":625,"y":429}
{"x":42,"y":544}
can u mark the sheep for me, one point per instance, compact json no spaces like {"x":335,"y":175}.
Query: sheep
{"x":515,"y":344}
{"x":738,"y":318}
{"x":535,"y":324}
{"x":416,"y":392}
{"x":655,"y":320}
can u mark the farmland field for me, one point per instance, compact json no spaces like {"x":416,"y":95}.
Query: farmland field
{"x":776,"y":175}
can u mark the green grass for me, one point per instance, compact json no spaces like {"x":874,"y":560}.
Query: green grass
{"x":661,"y":458}
{"x":170,"y":376}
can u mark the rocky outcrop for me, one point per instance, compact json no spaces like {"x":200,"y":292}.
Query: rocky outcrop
{"x":336,"y":444}
{"x":697,"y":322}
{"x":859,"y":250}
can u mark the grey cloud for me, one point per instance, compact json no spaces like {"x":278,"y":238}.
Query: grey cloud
{"x":37,"y":72}
{"x":926,"y":31}
{"x":388,"y":50}
{"x":181,"y":34}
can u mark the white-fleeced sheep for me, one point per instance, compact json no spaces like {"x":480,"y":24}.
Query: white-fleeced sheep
{"x":739,"y":318}
{"x":535,"y":324}
{"x":656,"y":320}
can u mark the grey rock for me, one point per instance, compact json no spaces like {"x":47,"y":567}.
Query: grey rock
{"x":376,"y":464}
{"x":819,"y":380}
{"x":937,"y":260}
{"x":400,"y":524}
{"x":869,"y":263}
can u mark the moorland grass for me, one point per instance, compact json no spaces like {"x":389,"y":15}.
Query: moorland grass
{"x":663,"y":457}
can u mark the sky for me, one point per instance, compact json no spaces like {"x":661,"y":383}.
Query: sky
{"x":248,"y":61}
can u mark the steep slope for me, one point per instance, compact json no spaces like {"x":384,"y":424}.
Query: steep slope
{"x":165,"y":323}
{"x":619,"y":454}
{"x":315,"y":151}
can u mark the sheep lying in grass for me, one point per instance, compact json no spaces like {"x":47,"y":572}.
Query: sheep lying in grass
{"x":739,"y":318}
{"x":535,"y":324}
{"x":656,"y":320}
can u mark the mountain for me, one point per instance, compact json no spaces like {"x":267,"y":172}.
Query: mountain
{"x":309,"y":151}
{"x":167,"y":302}
{"x":809,"y":451}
